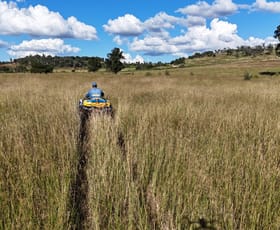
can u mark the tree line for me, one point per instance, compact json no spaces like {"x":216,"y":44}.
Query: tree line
{"x":114,"y":61}
{"x":46,"y":64}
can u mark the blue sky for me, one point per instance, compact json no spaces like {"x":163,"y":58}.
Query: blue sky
{"x":145,"y":30}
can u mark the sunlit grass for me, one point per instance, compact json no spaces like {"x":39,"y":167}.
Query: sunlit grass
{"x":195,"y":146}
{"x":38,"y":148}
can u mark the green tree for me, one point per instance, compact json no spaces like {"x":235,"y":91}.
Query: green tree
{"x":277,"y":35}
{"x":113,"y":60}
{"x":94,"y":64}
{"x":37,"y":67}
{"x":179,"y":61}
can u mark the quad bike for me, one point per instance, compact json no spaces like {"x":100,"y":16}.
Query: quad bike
{"x":97,"y":105}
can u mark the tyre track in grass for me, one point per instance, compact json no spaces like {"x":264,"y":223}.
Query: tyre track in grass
{"x":78,"y":205}
{"x":78,"y":202}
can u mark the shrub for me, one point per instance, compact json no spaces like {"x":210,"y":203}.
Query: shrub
{"x":5,"y":69}
{"x":167,"y":73}
{"x":247,"y":76}
{"x":41,"y":68}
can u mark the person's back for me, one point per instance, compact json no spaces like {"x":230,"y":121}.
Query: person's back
{"x":94,"y":92}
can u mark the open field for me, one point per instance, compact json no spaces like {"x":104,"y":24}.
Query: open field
{"x":200,"y":146}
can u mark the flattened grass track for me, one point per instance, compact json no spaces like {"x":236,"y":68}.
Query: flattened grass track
{"x":79,"y":188}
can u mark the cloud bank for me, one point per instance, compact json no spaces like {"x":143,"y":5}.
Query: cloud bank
{"x":219,"y":8}
{"x":156,"y":36}
{"x":46,"y":47}
{"x":199,"y":27}
{"x":39,"y":21}
{"x":263,"y":5}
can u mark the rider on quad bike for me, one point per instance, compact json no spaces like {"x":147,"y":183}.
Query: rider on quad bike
{"x":94,"y":92}
{"x":94,"y":101}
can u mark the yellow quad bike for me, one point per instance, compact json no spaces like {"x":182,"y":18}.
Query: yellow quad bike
{"x":96,"y":105}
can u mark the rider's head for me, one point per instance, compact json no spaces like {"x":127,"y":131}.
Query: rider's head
{"x":94,"y":84}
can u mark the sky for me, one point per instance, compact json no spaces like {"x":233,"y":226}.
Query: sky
{"x":144,"y":30}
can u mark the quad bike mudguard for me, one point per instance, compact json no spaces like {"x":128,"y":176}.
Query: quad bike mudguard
{"x":96,"y":105}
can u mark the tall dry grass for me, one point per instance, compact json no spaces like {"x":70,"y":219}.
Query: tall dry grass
{"x":38,"y":147}
{"x":195,"y":150}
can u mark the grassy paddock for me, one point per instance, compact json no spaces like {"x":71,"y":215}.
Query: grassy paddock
{"x":200,"y":143}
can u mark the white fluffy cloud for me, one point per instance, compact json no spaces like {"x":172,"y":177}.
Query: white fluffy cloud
{"x":41,"y":46}
{"x":153,"y":46}
{"x":195,"y":21}
{"x":39,"y":21}
{"x":217,"y":9}
{"x":154,"y":37}
{"x":199,"y":29}
{"x":127,"y":25}
{"x":219,"y":35}
{"x":163,"y":21}
{"x":267,"y":6}
{"x":128,"y":59}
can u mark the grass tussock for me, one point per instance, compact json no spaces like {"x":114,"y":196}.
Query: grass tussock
{"x":181,"y":153}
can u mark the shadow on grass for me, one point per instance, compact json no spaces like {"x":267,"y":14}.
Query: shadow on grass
{"x":269,"y":73}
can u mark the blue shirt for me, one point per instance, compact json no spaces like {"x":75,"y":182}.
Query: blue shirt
{"x":94,"y":92}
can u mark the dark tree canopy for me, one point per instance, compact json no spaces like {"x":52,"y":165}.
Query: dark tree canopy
{"x":113,"y":61}
{"x":178,"y":61}
{"x":37,"y":67}
{"x":94,"y":64}
{"x":277,"y":33}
